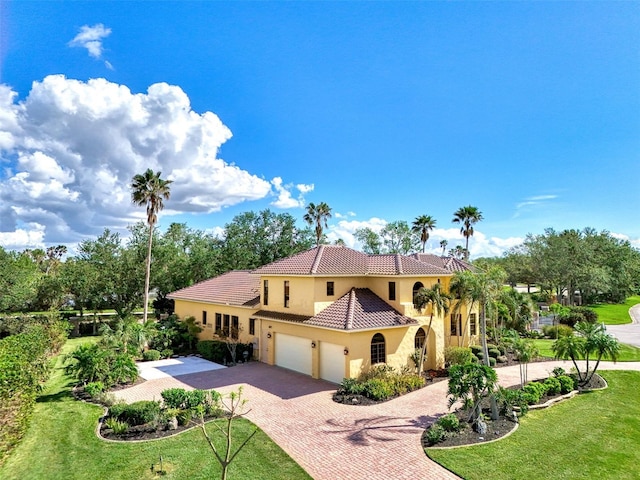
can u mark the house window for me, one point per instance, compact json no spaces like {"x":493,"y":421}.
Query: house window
{"x":218,"y":322}
{"x":225,"y":326}
{"x":419,"y":339}
{"x":416,"y":288}
{"x":330,"y":291}
{"x":456,"y":320}
{"x":252,"y":326}
{"x":265,"y":297}
{"x":473,"y":324}
{"x":378,"y":354}
{"x":235,"y":327}
{"x":392,"y":290}
{"x":286,"y":293}
{"x":204,"y":317}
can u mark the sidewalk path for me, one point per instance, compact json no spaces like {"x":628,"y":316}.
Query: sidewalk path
{"x":333,"y":441}
{"x":630,"y":332}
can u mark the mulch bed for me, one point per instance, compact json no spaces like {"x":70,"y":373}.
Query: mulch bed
{"x":146,"y":432}
{"x":495,"y":428}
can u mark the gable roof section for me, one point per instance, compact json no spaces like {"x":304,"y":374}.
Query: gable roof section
{"x":359,"y":309}
{"x":238,"y":288}
{"x":321,"y":260}
{"x":450,"y":264}
{"x":336,"y":260}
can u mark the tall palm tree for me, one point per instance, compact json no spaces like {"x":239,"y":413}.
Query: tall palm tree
{"x":443,"y":245}
{"x":318,"y":215}
{"x":422,"y":225}
{"x":467,"y":217}
{"x":439,"y":302}
{"x":149,"y":190}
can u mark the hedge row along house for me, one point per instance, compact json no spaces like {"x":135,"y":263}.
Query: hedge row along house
{"x":332,"y":312}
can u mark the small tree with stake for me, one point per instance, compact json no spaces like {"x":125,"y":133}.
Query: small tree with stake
{"x":471,"y":383}
{"x":234,"y":404}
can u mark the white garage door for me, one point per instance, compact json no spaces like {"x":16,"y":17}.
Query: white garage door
{"x":293,"y":353}
{"x":331,"y":362}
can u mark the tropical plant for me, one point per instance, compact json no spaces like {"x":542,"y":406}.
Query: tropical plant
{"x":589,"y":339}
{"x":149,"y":190}
{"x":317,"y":215}
{"x":443,"y":245}
{"x":526,"y":351}
{"x":467,"y":217}
{"x":439,"y":302}
{"x":422,"y":225}
{"x":471,"y":383}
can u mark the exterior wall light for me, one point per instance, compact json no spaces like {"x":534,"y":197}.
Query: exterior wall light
{"x":346,"y":351}
{"x":269,"y":335}
{"x":313,"y":344}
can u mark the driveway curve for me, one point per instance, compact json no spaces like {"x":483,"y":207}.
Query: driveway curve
{"x":630,"y":332}
{"x":331,"y":440}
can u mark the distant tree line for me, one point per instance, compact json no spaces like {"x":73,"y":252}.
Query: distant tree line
{"x":108,"y":272}
{"x":596,"y":265}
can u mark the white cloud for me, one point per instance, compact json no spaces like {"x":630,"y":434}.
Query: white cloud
{"x":533,"y":201}
{"x":91,"y":39}
{"x":285,"y":198}
{"x":21,"y":238}
{"x":344,"y":215}
{"x":70,"y":149}
{"x":346,"y":229}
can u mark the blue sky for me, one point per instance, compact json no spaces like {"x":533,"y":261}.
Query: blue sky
{"x":385,"y":110}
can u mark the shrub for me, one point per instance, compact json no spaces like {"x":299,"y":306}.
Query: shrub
{"x":195,"y":398}
{"x":94,"y":388}
{"x":492,"y":362}
{"x":567,"y":383}
{"x":457,"y":356}
{"x":578,"y":314}
{"x":351,"y":386}
{"x":553,"y":385}
{"x":508,"y":399}
{"x":105,"y":398}
{"x":558,"y":371}
{"x":151,"y":355}
{"x":174,"y":397}
{"x":166,"y":353}
{"x":494,"y":352}
{"x":535,"y":390}
{"x":502,"y":359}
{"x":184,"y":417}
{"x":378,"y":389}
{"x":476,"y":349}
{"x":119,"y":427}
{"x":137,"y":413}
{"x":449,"y":423}
{"x":556,"y":331}
{"x":217,"y":350}
{"x":435,"y":434}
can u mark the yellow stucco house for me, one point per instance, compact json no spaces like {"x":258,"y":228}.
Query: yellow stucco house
{"x":331,"y":312}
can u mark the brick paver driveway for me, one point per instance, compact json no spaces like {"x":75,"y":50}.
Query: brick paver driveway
{"x":332,"y":441}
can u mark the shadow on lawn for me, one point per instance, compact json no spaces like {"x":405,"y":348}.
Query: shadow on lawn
{"x":55,"y":397}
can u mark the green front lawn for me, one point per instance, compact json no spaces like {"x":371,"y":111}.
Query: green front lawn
{"x":594,"y":435}
{"x":615,"y":313}
{"x":61,"y":444}
{"x":628,"y":353}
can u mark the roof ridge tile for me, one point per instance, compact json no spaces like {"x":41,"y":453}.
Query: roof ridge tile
{"x":350,"y":310}
{"x":316,"y":261}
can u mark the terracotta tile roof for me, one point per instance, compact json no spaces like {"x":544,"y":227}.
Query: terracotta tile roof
{"x":359,"y":309}
{"x":336,"y":260}
{"x":450,"y":264}
{"x":395,"y":264}
{"x":322,"y":260}
{"x":238,"y":288}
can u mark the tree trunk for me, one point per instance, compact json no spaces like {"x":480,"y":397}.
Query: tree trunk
{"x":485,"y":351}
{"x":147,"y":276}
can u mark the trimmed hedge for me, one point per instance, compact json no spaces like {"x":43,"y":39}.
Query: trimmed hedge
{"x":136,"y":413}
{"x":218,"y":352}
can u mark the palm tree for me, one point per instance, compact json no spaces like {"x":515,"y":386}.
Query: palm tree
{"x":318,"y":215}
{"x":422,"y":225}
{"x":439,"y":302}
{"x":150,"y":190}
{"x":443,"y":246}
{"x":467,"y":217}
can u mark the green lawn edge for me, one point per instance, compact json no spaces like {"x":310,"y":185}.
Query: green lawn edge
{"x":615,"y":313}
{"x":61,"y":444}
{"x":593,"y":435}
{"x":628,"y":353}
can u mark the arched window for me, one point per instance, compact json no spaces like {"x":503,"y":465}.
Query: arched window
{"x":416,"y":288}
{"x":420,"y":338}
{"x":378,"y":350}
